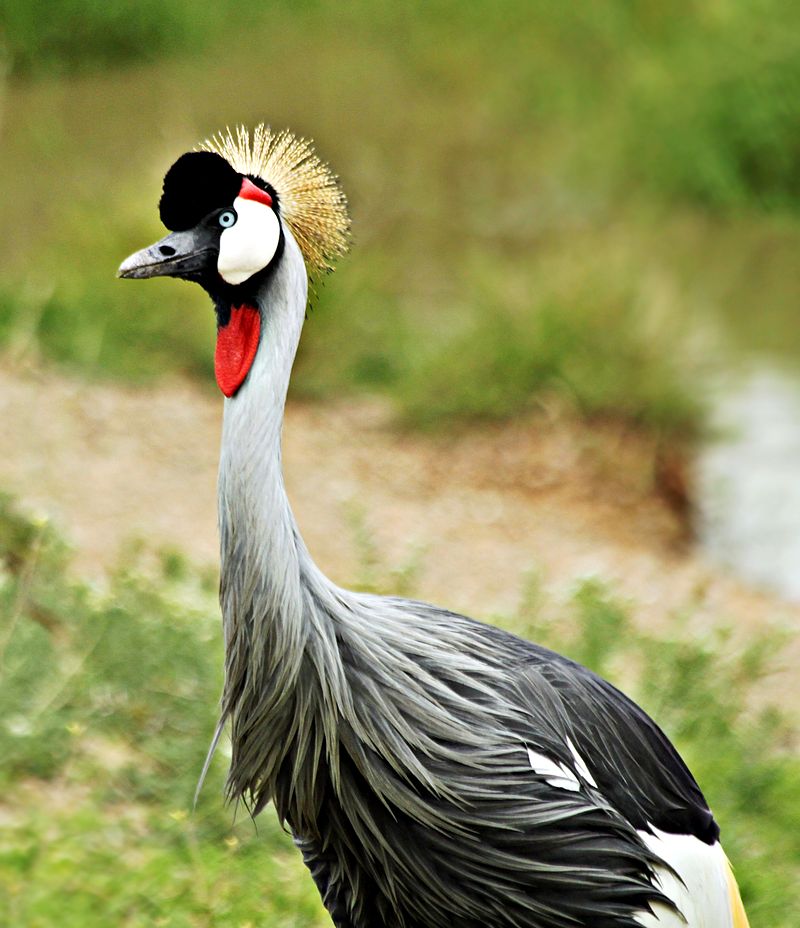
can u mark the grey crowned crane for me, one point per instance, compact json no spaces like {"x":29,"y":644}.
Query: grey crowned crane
{"x":434,"y":771}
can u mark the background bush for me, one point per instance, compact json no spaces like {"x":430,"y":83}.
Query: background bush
{"x":548,"y":198}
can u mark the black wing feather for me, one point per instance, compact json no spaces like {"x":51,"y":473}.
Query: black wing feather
{"x":634,"y":763}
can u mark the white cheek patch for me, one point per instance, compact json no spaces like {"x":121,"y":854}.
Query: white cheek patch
{"x":248,"y":246}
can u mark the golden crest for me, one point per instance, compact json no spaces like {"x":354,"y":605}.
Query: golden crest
{"x":311,"y":202}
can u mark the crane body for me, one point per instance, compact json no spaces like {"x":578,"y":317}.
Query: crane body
{"x":433,"y":770}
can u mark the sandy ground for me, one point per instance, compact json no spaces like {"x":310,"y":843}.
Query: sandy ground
{"x":476,"y":512}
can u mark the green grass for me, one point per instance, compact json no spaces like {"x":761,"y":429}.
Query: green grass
{"x":592,"y":202}
{"x":107,"y":702}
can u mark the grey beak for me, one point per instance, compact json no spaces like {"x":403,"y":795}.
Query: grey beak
{"x":179,"y":254}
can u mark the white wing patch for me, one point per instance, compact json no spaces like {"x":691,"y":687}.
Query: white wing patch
{"x":698,"y":881}
{"x":699,"y":886}
{"x":580,"y":764}
{"x":554,"y":773}
{"x":558,"y":774}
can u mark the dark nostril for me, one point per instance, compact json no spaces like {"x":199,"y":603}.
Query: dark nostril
{"x":166,"y":250}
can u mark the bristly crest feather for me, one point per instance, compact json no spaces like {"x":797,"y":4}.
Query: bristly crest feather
{"x":311,"y":201}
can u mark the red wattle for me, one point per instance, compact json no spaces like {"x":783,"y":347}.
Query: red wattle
{"x":237,"y":343}
{"x":249,"y":191}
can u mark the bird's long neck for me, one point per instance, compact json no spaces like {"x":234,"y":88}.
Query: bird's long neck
{"x":267,"y":579}
{"x":257,"y":533}
{"x":307,"y":663}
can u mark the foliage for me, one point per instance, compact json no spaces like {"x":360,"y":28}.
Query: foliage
{"x":43,"y":36}
{"x":590,"y":340}
{"x":589,"y":150}
{"x":78,"y":326}
{"x":107,"y":701}
{"x":714,"y":106}
{"x":705,"y":98}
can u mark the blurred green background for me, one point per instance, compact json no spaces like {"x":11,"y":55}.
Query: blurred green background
{"x":595,"y":207}
{"x":584,"y":197}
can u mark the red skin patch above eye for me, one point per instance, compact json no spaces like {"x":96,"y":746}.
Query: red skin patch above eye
{"x":250,"y":191}
{"x":237,"y":343}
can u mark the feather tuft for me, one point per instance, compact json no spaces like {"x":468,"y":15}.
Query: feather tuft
{"x":311,"y":201}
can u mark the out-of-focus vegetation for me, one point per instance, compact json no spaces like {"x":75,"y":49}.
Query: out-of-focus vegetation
{"x":70,"y":36}
{"x":579,"y":201}
{"x":107,"y":705}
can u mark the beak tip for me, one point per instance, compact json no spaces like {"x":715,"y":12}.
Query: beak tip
{"x":128,"y":266}
{"x":137,"y":265}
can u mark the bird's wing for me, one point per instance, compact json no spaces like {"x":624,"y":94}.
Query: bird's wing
{"x":616,"y":748}
{"x":490,"y":745}
{"x":632,"y":762}
{"x":629,"y":757}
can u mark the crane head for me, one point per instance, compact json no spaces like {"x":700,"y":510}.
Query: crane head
{"x":225,"y":226}
{"x":230,"y":206}
{"x":229,"y":203}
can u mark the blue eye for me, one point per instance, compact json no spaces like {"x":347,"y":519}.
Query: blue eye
{"x":227,"y":219}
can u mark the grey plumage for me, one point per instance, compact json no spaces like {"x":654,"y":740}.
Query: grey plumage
{"x":434,"y":771}
{"x":392,"y":735}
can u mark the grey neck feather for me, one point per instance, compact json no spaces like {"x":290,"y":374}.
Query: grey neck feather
{"x":258,"y":537}
{"x":268,"y":580}
{"x":297,"y":646}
